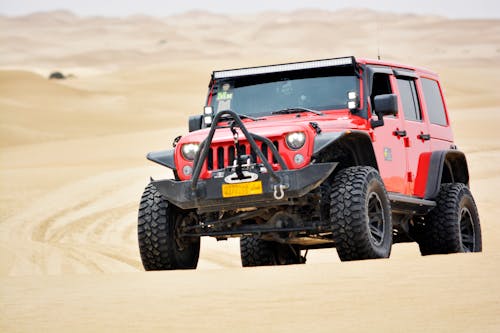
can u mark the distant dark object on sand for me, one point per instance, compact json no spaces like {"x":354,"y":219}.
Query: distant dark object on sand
{"x":56,"y":76}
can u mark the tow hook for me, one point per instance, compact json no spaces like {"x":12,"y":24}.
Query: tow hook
{"x":279,"y":191}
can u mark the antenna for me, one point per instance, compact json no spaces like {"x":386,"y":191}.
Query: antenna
{"x":377,"y":37}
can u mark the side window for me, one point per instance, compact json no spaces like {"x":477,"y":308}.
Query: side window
{"x":434,"y":102}
{"x":409,"y":99}
{"x":381,"y":85}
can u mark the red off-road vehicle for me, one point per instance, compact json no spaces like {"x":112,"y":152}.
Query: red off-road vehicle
{"x":348,"y":153}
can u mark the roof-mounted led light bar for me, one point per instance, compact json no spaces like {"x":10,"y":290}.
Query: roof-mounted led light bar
{"x":283,"y":68}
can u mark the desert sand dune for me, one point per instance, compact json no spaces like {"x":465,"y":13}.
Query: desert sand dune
{"x":73,"y":167}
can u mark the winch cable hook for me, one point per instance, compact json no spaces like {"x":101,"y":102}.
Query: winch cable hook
{"x":239,"y":169}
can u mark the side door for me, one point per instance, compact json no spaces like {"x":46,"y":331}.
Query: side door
{"x":417,"y":139}
{"x":389,"y":139}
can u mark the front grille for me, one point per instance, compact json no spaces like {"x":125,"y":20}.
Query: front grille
{"x":223,"y":156}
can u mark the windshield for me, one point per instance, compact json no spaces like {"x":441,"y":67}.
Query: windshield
{"x":259,"y":95}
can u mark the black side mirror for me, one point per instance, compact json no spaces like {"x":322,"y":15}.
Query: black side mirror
{"x":384,"y":105}
{"x":195,"y":123}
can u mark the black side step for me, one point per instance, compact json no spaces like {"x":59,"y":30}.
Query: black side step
{"x":254,"y":230}
{"x":405,"y":204}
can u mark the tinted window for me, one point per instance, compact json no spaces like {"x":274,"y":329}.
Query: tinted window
{"x":380,"y":85}
{"x":409,"y":99}
{"x":434,"y":102}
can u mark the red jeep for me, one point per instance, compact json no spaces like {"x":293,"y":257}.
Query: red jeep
{"x":348,"y":153}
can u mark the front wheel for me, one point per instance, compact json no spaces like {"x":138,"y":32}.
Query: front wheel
{"x":160,"y":243}
{"x":360,"y":214}
{"x":453,"y":225}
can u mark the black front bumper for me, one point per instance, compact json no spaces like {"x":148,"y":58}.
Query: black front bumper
{"x":208,"y":194}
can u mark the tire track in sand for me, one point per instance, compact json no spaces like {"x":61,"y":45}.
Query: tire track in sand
{"x":89,"y":226}
{"x":78,"y":228}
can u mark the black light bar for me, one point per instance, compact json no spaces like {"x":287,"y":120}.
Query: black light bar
{"x":283,"y":67}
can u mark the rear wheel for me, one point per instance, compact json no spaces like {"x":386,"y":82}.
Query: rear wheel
{"x":453,"y":225}
{"x":258,"y":252}
{"x":158,"y":228}
{"x":360,"y":214}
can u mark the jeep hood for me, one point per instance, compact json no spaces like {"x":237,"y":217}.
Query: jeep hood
{"x":277,"y":126}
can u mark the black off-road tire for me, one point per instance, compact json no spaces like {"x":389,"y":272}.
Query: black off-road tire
{"x":360,"y":214}
{"x":160,"y":246}
{"x":258,"y":252}
{"x":453,"y":225}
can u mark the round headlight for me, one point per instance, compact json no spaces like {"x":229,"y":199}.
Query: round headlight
{"x":295,"y":140}
{"x":189,"y":150}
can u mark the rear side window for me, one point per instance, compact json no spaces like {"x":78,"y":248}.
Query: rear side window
{"x":434,"y":102}
{"x":409,"y":99}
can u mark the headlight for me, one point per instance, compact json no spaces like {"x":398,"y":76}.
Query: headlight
{"x":189,"y":150}
{"x":295,"y":140}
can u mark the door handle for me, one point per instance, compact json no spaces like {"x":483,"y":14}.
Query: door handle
{"x":424,"y":137}
{"x":399,"y":134}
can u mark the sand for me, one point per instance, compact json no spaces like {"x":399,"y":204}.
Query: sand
{"x":73,"y":167}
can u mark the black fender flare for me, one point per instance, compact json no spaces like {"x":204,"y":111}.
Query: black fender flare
{"x":357,"y":144}
{"x":163,"y":157}
{"x":445,"y":166}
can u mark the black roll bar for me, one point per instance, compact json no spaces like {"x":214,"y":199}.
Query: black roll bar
{"x":202,"y":153}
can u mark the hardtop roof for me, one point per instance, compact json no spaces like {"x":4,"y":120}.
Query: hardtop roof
{"x":310,"y":64}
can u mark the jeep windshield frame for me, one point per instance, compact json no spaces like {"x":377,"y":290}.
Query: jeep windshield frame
{"x":263,"y":94}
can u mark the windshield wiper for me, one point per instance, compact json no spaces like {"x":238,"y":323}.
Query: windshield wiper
{"x":297,"y":110}
{"x":242,"y":116}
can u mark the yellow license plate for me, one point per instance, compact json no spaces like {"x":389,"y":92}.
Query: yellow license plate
{"x":241,"y":189}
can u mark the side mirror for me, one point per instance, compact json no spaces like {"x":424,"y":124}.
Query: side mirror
{"x":194,"y":123}
{"x":384,"y":105}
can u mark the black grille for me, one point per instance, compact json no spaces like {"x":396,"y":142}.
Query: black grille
{"x":220,"y":158}
{"x":218,"y":154}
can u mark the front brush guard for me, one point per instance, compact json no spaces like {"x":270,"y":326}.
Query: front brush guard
{"x":202,"y":154}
